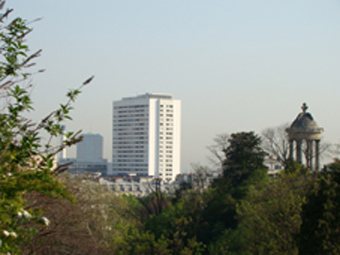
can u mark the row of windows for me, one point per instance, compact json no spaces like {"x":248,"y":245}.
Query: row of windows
{"x":136,"y":156}
{"x":88,"y":166}
{"x":167,"y":133}
{"x":167,"y":138}
{"x":166,"y":174}
{"x":167,"y":119}
{"x":130,"y":160}
{"x":167,"y":110}
{"x":167,"y":142}
{"x":165,"y":147}
{"x":167,"y":115}
{"x":130,"y":170}
{"x":167,"y":151}
{"x":167,"y":124}
{"x":132,"y":133}
{"x":132,"y":165}
{"x":130,"y":142}
{"x":124,"y":188}
{"x":128,"y":147}
{"x":129,"y":124}
{"x":167,"y":106}
{"x":132,"y":151}
{"x":166,"y":169}
{"x":131,"y":111}
{"x":131,"y":156}
{"x":167,"y":155}
{"x":167,"y":165}
{"x":130,"y":115}
{"x":124,"y":129}
{"x":129,"y":138}
{"x":167,"y":160}
{"x":129,"y":120}
{"x":131,"y":106}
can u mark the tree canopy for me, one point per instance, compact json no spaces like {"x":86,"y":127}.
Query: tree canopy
{"x":321,"y":220}
{"x":243,"y":156}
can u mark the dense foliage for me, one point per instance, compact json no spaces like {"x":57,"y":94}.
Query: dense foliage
{"x":26,"y":164}
{"x":295,"y":212}
{"x":255,"y":214}
{"x":320,"y":230}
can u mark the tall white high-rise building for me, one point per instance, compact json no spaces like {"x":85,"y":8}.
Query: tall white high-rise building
{"x":147,"y":136}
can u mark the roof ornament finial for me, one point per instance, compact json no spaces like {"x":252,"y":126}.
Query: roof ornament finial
{"x":304,"y":107}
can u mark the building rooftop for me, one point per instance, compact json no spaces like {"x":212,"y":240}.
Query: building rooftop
{"x":148,"y":95}
{"x":90,"y":135}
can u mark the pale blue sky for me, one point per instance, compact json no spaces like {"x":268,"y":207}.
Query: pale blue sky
{"x":236,"y":65}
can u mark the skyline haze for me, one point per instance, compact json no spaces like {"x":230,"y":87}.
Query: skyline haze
{"x":235,"y":65}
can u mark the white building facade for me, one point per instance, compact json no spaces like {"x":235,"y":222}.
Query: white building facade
{"x":147,"y":136}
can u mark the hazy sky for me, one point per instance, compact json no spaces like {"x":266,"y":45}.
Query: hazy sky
{"x":236,"y":65}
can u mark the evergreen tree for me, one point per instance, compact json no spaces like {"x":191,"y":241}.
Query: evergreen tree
{"x":243,"y":156}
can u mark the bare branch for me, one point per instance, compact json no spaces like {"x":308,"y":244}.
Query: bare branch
{"x":221,"y":143}
{"x":275,"y":142}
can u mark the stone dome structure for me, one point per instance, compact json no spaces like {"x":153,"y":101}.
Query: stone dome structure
{"x":304,"y":133}
{"x":304,"y":121}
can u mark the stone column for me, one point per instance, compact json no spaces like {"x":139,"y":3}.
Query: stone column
{"x":317,"y":153}
{"x":311,"y":155}
{"x":308,"y":155}
{"x":291,"y":149}
{"x":299,"y":151}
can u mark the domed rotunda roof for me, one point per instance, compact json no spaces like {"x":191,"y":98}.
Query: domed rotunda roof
{"x":304,"y":124}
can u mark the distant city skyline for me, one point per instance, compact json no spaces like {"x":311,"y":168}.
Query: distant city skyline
{"x":236,"y":65}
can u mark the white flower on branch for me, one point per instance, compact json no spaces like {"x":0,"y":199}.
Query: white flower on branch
{"x":13,"y":234}
{"x":27,"y":215}
{"x":46,"y":221}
